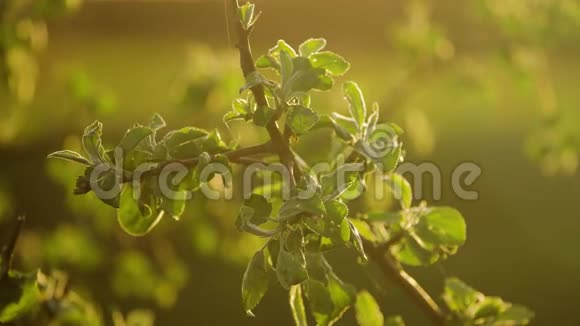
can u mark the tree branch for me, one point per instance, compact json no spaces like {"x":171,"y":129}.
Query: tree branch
{"x":248,"y":67}
{"x":393,"y":270}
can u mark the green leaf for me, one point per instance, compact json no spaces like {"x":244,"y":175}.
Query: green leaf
{"x":301,"y":119}
{"x":410,"y":252}
{"x":134,"y":137}
{"x":157,"y":122}
{"x":328,"y":122}
{"x":330,"y":61}
{"x":295,"y":206}
{"x":442,"y":226}
{"x":246,"y":13}
{"x":263,"y":115}
{"x":18,"y":296}
{"x":459,"y":296}
{"x":175,"y":206}
{"x":357,"y":241}
{"x":267,"y":61}
{"x":343,"y":295}
{"x":319,"y":300}
{"x":311,"y":46}
{"x":401,"y":189}
{"x":255,"y":210}
{"x":181,"y":136}
{"x":289,"y":269}
{"x":135,"y":217}
{"x":357,"y":106}
{"x":515,"y":315}
{"x":254,"y":283}
{"x":305,"y":78}
{"x":286,"y":67}
{"x":280,"y":46}
{"x":368,"y":312}
{"x":297,"y":306}
{"x":70,"y":156}
{"x":92,"y":143}
{"x":254,"y":79}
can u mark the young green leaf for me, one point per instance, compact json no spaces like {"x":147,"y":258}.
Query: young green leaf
{"x":175,"y":206}
{"x":254,"y":283}
{"x":133,"y":137}
{"x":69,"y":156}
{"x":301,"y":119}
{"x":135,"y":218}
{"x":401,"y":189}
{"x":92,"y":143}
{"x":330,"y":61}
{"x":297,"y":306}
{"x":442,"y":226}
{"x":394,"y":321}
{"x":246,"y":13}
{"x":459,"y":296}
{"x":295,"y":206}
{"x":356,"y":101}
{"x":368,"y":312}
{"x":311,"y":46}
{"x":289,"y":269}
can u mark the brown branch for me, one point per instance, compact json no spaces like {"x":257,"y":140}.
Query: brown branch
{"x":236,"y":156}
{"x":393,"y":270}
{"x":7,"y":253}
{"x":248,"y":67}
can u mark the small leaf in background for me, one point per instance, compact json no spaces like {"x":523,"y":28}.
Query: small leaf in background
{"x":136,"y":220}
{"x":391,"y":218}
{"x":319,"y":300}
{"x":335,"y":64}
{"x":442,"y":226}
{"x":368,"y":312}
{"x":394,"y":321}
{"x":401,"y":189}
{"x":311,"y":46}
{"x":356,"y":101}
{"x":70,"y":156}
{"x":19,"y":296}
{"x":289,"y":269}
{"x":301,"y":119}
{"x":254,"y":283}
{"x":297,"y":306}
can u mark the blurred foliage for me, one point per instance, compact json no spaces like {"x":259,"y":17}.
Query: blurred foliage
{"x":530,"y":35}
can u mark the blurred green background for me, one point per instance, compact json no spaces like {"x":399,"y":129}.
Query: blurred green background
{"x":491,"y":82}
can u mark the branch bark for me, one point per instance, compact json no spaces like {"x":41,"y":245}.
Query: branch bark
{"x":393,"y":270}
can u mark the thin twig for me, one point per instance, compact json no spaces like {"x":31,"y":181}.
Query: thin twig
{"x":392,"y":269}
{"x":7,"y":253}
